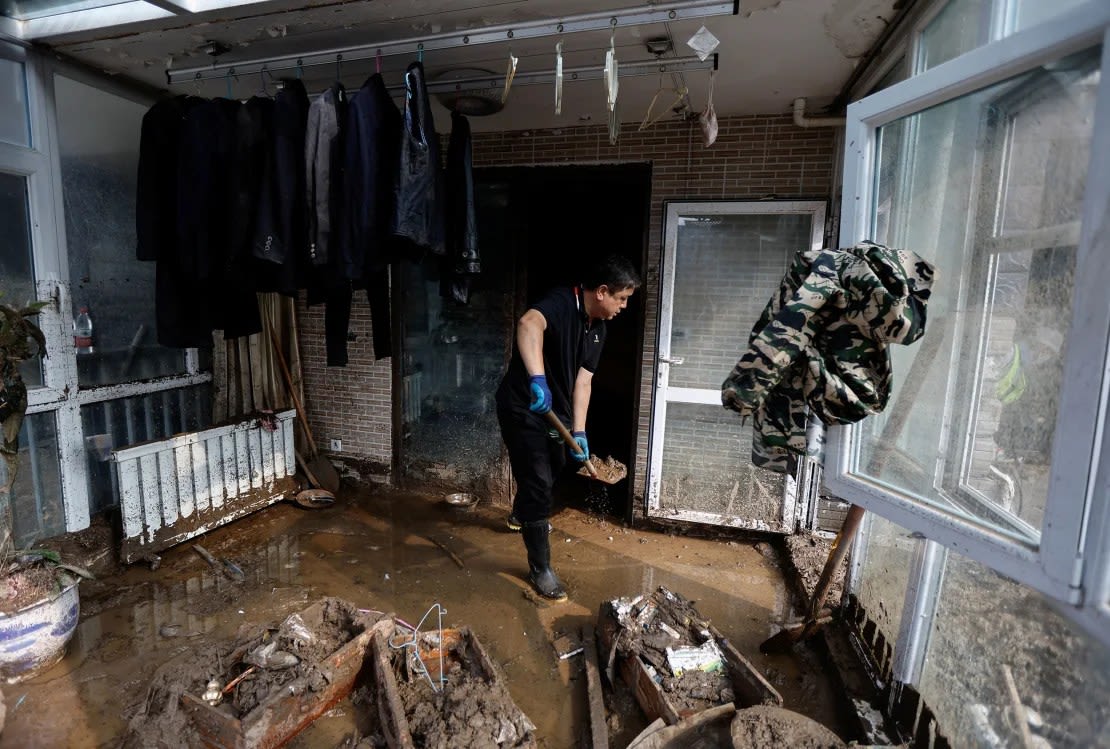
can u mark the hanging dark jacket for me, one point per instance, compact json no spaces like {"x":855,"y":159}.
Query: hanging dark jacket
{"x":461,"y":262}
{"x":280,"y":236}
{"x":820,"y":345}
{"x":371,"y":173}
{"x":324,"y":153}
{"x":419,"y":213}
{"x":156,"y":194}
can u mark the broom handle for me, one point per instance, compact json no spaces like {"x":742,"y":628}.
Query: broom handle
{"x":569,"y":439}
{"x":839,"y":550}
{"x":293,"y":394}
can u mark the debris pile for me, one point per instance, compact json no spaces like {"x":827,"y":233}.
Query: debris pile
{"x":234,"y":677}
{"x":464,"y":704}
{"x":677,"y":648}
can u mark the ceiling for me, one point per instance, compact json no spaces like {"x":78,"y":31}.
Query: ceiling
{"x":770,"y":53}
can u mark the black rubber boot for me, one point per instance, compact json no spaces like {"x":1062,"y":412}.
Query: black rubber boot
{"x":538,"y":542}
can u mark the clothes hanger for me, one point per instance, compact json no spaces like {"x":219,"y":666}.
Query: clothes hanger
{"x":680,"y":94}
{"x":510,"y":73}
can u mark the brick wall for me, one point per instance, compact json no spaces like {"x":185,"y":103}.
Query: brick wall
{"x":754,"y":157}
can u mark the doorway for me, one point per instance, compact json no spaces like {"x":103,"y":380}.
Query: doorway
{"x":537,"y":227}
{"x":722,"y":261}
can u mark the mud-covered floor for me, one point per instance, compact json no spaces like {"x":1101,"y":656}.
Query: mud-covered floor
{"x":383,"y":549}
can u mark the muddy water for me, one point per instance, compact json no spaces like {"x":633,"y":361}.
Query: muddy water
{"x":378,"y":549}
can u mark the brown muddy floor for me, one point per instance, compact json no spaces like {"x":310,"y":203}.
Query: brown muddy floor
{"x":378,"y":548}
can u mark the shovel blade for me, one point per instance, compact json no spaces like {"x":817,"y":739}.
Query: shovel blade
{"x":314,"y":499}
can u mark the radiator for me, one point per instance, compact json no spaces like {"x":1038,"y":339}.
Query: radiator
{"x":174,"y":489}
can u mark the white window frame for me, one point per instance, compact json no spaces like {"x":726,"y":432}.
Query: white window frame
{"x":1079,"y":481}
{"x":60,"y":393}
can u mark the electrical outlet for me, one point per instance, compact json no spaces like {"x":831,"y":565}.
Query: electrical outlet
{"x":337,"y":446}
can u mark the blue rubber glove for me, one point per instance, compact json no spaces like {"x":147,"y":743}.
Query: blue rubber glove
{"x":541,"y":395}
{"x":583,"y":453}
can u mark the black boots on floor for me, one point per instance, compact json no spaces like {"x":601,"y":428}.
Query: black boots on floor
{"x":537,"y":539}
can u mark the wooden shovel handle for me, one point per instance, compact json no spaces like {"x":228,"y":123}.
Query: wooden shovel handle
{"x":839,"y":550}
{"x":553,"y":420}
{"x":293,"y":394}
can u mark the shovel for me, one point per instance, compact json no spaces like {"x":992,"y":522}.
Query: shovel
{"x":786,"y":637}
{"x":319,"y":470}
{"x":569,"y":439}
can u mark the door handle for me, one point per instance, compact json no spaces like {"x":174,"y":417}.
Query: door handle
{"x":672,"y":359}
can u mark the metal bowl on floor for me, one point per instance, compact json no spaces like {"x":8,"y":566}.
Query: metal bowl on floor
{"x":461,"y":500}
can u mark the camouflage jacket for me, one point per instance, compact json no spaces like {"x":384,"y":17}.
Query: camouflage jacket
{"x":820,"y":345}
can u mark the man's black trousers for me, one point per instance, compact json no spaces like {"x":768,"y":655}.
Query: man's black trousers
{"x":536,"y":460}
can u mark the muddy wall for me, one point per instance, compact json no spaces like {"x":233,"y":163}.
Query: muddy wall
{"x":755,"y":157}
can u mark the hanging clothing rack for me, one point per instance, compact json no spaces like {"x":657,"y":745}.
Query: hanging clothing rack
{"x":591,"y":73}
{"x":598,"y":21}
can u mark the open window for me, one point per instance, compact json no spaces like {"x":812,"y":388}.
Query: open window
{"x":988,"y":166}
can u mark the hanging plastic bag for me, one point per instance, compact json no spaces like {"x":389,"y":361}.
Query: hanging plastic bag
{"x":707,"y":120}
{"x":703,"y":42}
{"x":559,"y":78}
{"x":612,"y":86}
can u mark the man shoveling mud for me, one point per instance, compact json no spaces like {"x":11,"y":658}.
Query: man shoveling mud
{"x":558,"y":346}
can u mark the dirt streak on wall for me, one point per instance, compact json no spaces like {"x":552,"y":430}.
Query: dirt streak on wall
{"x":755,"y":157}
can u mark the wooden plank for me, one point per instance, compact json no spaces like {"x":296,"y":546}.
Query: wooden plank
{"x":599,"y":728}
{"x":750,"y":686}
{"x":648,"y":694}
{"x":391,"y":711}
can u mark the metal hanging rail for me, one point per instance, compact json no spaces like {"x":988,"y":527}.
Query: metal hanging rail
{"x":635,"y":68}
{"x":602,"y":20}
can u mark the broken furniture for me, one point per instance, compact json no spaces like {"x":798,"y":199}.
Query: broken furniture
{"x":422,"y":676}
{"x":291,"y":708}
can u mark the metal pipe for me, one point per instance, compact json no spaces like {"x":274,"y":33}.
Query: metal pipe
{"x":596,"y":21}
{"x":801,"y":120}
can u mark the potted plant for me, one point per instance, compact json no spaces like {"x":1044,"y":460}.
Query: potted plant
{"x":39,"y":604}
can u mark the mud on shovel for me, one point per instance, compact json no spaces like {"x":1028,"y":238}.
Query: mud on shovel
{"x":817,"y":617}
{"x":553,"y":420}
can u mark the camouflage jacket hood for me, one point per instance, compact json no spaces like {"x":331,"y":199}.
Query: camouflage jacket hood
{"x":820,"y":345}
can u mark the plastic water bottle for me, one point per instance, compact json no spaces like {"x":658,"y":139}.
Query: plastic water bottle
{"x":83,"y":332}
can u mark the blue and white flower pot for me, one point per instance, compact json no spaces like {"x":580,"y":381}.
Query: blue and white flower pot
{"x":34,"y":638}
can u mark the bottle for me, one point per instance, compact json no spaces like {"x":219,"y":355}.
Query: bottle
{"x":83,"y":332}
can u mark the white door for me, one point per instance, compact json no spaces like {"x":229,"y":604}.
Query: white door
{"x":722,"y":261}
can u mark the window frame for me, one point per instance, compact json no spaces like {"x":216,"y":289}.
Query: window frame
{"x":1056,"y":566}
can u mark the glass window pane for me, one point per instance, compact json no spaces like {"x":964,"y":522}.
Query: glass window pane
{"x":36,"y":501}
{"x":15,"y":123}
{"x":120,"y":423}
{"x":98,"y":136}
{"x":962,"y":26}
{"x":989,"y":188}
{"x":1031,"y":12}
{"x":17,"y":278}
{"x":706,"y":468}
{"x":986,"y":625}
{"x":885,"y":575}
{"x":729,"y":266}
